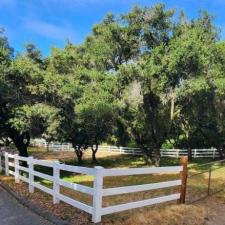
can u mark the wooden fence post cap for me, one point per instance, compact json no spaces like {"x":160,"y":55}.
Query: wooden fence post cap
{"x":184,"y":160}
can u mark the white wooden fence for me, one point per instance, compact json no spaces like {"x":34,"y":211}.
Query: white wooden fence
{"x":11,"y":164}
{"x":174,"y":153}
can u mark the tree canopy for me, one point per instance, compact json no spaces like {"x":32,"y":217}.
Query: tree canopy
{"x":146,"y":78}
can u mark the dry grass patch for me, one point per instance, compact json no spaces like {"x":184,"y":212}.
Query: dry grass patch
{"x":166,"y":215}
{"x":40,"y":153}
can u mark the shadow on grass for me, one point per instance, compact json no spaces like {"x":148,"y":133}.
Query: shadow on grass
{"x":123,"y":160}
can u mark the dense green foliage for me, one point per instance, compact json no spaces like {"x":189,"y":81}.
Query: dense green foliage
{"x":143,"y":77}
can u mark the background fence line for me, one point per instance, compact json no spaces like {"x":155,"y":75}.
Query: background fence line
{"x":11,"y":164}
{"x":173,"y":153}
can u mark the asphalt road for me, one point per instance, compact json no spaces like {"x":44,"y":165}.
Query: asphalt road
{"x":13,"y":213}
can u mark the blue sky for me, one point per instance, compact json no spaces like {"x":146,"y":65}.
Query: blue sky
{"x":50,"y":23}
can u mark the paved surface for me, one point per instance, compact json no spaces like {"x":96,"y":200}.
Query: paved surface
{"x":13,"y":213}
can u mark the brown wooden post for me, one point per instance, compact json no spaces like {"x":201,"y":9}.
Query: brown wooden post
{"x":183,"y":176}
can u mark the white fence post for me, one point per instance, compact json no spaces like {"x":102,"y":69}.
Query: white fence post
{"x":56,"y":186}
{"x":195,"y":153}
{"x":120,"y":149}
{"x":97,"y":197}
{"x":177,"y":153}
{"x":16,"y":166}
{"x":6,"y":164}
{"x":31,"y":175}
{"x":214,"y":152}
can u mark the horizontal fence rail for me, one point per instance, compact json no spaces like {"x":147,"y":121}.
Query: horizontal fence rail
{"x":173,"y":153}
{"x":133,"y":205}
{"x":12,"y":165}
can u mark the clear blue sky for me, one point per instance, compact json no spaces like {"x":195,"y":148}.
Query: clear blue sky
{"x":49,"y":23}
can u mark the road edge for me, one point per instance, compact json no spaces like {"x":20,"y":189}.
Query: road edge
{"x":25,"y":202}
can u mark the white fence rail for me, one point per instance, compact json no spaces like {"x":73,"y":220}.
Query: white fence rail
{"x":11,"y":164}
{"x":174,"y":153}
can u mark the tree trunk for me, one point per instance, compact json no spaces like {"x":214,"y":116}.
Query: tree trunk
{"x":148,"y":156}
{"x":94,"y":151}
{"x":148,"y":160}
{"x":23,"y":150}
{"x":94,"y":156}
{"x":21,"y":142}
{"x":157,"y":158}
{"x":221,"y":151}
{"x":79,"y":154}
{"x":79,"y":157}
{"x":189,"y":154}
{"x":152,"y":156}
